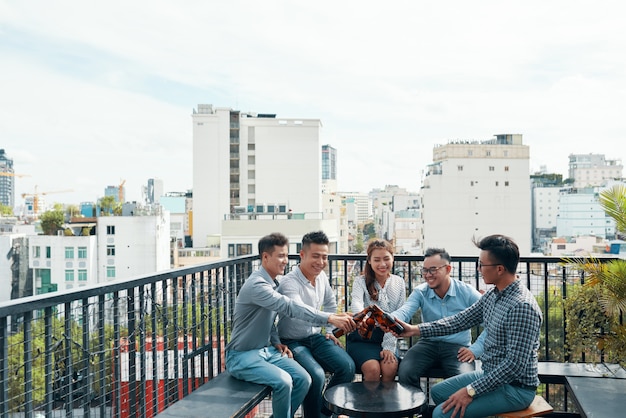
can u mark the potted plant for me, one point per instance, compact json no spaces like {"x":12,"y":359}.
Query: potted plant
{"x":595,"y":310}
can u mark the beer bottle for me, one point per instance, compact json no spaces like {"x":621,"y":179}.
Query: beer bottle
{"x":367,"y":330}
{"x":386,"y":319}
{"x":358,"y":317}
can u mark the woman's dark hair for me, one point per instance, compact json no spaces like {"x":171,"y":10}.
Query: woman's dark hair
{"x":370,"y":276}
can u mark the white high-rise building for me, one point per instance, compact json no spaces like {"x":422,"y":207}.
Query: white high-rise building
{"x":592,"y":170}
{"x":474,"y":189}
{"x":251,"y":163}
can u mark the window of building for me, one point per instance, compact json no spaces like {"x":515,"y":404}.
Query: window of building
{"x":69,"y":253}
{"x":459,"y":168}
{"x":497,"y":184}
{"x":110,"y":229}
{"x":560,"y":246}
{"x":82,"y":275}
{"x":472,"y":183}
{"x":506,"y":184}
{"x":82,"y":252}
{"x":36,"y":252}
{"x":488,"y":153}
{"x":244,"y":249}
{"x":492,"y":168}
{"x":470,"y":153}
{"x":110,"y":272}
{"x":506,"y":168}
{"x":111,"y":250}
{"x":69,"y":275}
{"x":48,"y":252}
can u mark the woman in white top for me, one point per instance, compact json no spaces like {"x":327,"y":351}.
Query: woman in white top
{"x":376,"y":357}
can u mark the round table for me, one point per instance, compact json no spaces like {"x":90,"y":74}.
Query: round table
{"x":375,"y":400}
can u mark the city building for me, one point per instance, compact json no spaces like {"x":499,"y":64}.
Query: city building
{"x":580,"y":214}
{"x":95,"y":250}
{"x":591,"y":170}
{"x":546,"y":188}
{"x":7,"y":180}
{"x":153,"y":191}
{"x":118,"y":192}
{"x":358,"y":207}
{"x":329,"y":169}
{"x":243,"y":163}
{"x":14,"y":272}
{"x":408,"y":231}
{"x":477,"y":188}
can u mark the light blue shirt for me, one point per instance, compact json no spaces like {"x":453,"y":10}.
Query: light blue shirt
{"x":460,"y":296}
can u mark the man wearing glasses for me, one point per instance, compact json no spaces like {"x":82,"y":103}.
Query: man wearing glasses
{"x":508,"y":379}
{"x":438,"y":297}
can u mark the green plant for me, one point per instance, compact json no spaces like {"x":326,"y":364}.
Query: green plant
{"x":595,"y":310}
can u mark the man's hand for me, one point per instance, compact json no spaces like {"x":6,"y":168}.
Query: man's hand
{"x":343,"y":321}
{"x":409,"y":330}
{"x":388,"y":357}
{"x":465,"y":355}
{"x":284,"y":350}
{"x":330,"y":336}
{"x":457,"y":402}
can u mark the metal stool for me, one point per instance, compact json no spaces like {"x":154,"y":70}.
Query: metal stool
{"x":539,"y":407}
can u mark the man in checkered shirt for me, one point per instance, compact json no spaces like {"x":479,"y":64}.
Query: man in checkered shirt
{"x":512,"y":319}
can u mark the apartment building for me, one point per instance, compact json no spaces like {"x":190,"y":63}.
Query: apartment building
{"x":591,"y":170}
{"x":474,"y":189}
{"x":95,"y":250}
{"x":251,"y":163}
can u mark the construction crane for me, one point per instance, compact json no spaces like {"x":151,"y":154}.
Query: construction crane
{"x":7,"y":174}
{"x":36,"y":195}
{"x":120,"y":191}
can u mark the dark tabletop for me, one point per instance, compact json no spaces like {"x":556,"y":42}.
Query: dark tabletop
{"x":375,"y":399}
{"x":598,"y":398}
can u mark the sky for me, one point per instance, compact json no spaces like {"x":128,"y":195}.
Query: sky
{"x":94,"y":94}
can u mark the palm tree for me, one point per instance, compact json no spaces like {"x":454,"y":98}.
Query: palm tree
{"x":595,"y":310}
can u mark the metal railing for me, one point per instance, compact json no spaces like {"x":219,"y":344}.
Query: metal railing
{"x":130,"y":349}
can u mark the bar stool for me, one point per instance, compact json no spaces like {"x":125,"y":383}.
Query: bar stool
{"x":538,"y":408}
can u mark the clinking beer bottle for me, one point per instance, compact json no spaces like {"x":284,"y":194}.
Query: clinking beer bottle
{"x":387,"y":320}
{"x":367,"y":330}
{"x":358,"y":317}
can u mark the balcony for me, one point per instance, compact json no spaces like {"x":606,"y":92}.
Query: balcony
{"x":130,"y":349}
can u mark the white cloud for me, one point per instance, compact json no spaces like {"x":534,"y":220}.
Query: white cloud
{"x":97,"y":93}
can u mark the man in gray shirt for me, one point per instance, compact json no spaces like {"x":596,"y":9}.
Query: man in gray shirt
{"x":317,"y":353}
{"x":255,"y":353}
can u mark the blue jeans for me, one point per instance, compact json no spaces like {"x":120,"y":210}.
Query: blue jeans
{"x":267,"y":366}
{"x":505,"y":398}
{"x":318,"y":355}
{"x":426,"y":354}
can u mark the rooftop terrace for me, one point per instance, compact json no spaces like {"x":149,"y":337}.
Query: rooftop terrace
{"x":130,"y":349}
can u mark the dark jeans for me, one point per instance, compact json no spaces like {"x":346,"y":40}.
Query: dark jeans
{"x":319,"y":355}
{"x":426,"y":354}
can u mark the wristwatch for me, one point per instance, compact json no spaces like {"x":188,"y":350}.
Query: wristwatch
{"x":470,"y":390}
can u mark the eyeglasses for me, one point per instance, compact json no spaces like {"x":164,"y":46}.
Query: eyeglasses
{"x":481,"y":265}
{"x":431,"y":270}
